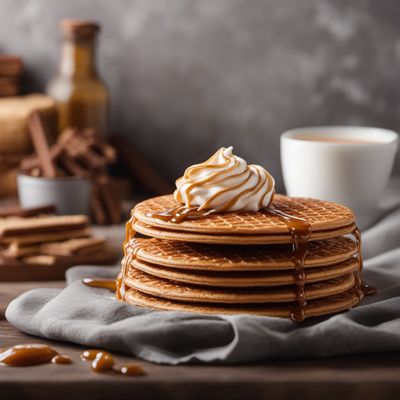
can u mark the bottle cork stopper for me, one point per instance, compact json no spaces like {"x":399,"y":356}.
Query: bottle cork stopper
{"x":77,"y":28}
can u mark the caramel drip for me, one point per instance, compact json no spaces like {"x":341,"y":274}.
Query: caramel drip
{"x":102,"y":361}
{"x":24,"y":355}
{"x":129,"y":236}
{"x":180,"y":213}
{"x":61,"y":359}
{"x":109,"y":284}
{"x":360,"y":287}
{"x":130,"y":370}
{"x":118,"y":285}
{"x":300,"y":231}
{"x":129,"y":231}
{"x":131,"y":249}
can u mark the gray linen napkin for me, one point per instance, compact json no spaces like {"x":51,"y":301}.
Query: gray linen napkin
{"x":93,"y":317}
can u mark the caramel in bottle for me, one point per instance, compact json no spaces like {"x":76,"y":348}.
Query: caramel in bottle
{"x":81,"y":97}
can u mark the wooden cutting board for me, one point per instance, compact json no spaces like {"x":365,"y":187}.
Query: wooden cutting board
{"x":12,"y":270}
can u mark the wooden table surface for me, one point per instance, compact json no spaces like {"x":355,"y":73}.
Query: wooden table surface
{"x":356,"y":377}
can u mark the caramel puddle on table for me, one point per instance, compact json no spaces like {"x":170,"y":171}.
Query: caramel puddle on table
{"x":24,"y":355}
{"x":102,"y":361}
{"x":61,"y":359}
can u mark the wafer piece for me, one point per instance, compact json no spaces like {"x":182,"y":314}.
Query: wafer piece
{"x":195,"y":256}
{"x":73,"y":246}
{"x":183,"y":292}
{"x":244,"y":278}
{"x":108,"y":255}
{"x":46,"y":237}
{"x":40,"y":259}
{"x":235,"y":239}
{"x":18,"y":211}
{"x":20,"y":226}
{"x":15,"y":250}
{"x":321,"y":215}
{"x":314,"y":308}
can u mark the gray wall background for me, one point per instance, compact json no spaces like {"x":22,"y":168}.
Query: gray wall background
{"x":189,"y":76}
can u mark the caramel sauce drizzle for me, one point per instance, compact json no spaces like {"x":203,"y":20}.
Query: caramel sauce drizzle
{"x":193,"y":169}
{"x":361,"y":287}
{"x":180,"y":214}
{"x":129,"y":236}
{"x":131,"y":247}
{"x":300,"y":231}
{"x":212,"y":179}
{"x":102,"y":361}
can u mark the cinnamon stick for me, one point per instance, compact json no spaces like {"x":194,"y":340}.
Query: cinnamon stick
{"x":40,"y":143}
{"x":112,"y":204}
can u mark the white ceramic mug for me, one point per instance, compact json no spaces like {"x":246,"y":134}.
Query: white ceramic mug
{"x":346,"y":164}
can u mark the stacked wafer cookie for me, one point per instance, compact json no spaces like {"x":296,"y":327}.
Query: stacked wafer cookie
{"x":244,"y":262}
{"x":49,"y":240}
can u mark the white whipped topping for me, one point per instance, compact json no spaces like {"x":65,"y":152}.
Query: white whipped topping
{"x":225,"y":183}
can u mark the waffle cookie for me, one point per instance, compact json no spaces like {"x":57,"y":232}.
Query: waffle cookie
{"x":326,"y":220}
{"x":314,"y":308}
{"x":235,"y":279}
{"x":196,"y":256}
{"x":236,"y":239}
{"x":168,"y":289}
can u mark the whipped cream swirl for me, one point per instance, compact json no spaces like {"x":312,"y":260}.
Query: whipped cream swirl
{"x":225,"y":183}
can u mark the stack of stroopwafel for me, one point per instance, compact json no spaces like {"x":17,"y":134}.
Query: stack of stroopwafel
{"x":261,"y":262}
{"x":42,"y":247}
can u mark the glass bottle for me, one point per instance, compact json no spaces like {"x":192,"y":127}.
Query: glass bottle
{"x":81,"y":97}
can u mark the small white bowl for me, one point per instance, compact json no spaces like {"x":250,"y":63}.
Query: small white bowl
{"x":70,"y":195}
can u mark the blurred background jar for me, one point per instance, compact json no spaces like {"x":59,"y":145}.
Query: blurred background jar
{"x":82,"y":98}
